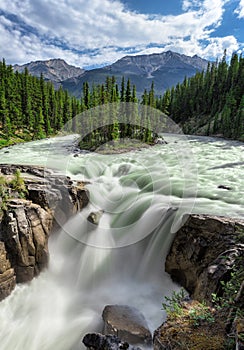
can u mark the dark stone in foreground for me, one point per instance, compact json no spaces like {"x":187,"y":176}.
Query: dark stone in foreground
{"x":127,"y":323}
{"x":98,"y":341}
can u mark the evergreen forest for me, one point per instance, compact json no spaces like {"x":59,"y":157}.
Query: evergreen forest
{"x":209,"y":103}
{"x":30,"y":108}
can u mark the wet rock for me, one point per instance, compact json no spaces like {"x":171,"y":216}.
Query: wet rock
{"x":127,"y":323}
{"x":51,"y":190}
{"x":98,"y":341}
{"x":94,"y":217}
{"x":203,"y":252}
{"x":42,"y":195}
{"x":223,"y":187}
{"x":159,"y":141}
{"x":9,"y":169}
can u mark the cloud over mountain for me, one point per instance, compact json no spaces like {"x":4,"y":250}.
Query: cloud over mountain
{"x":101,"y":31}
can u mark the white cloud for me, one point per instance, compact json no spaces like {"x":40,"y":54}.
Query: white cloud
{"x":240,"y":9}
{"x":70,"y":28}
{"x":190,"y":4}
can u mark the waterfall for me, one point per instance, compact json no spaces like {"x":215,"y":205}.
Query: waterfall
{"x":143,"y":196}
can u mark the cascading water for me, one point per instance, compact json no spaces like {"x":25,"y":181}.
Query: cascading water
{"x":121,"y":261}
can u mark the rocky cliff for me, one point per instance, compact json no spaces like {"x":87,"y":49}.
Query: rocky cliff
{"x":202,"y":258}
{"x":26,"y":223}
{"x":203,"y":253}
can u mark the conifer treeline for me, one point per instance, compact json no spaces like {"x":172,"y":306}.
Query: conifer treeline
{"x":110,"y":92}
{"x":31,"y":107}
{"x":212,"y":100}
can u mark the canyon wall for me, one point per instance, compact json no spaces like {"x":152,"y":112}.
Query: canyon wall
{"x":26,"y":223}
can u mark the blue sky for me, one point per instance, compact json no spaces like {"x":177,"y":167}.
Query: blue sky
{"x":93,"y":33}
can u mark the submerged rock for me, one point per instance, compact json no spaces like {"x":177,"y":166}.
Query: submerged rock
{"x":127,"y":323}
{"x":224,"y":187}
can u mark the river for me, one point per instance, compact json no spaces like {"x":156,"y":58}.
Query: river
{"x":144,"y":195}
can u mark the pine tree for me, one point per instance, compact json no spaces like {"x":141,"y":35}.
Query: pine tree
{"x":128,"y":95}
{"x":134,"y":98}
{"x":151,"y":97}
{"x":86,"y":95}
{"x":122,"y":90}
{"x":39,"y":125}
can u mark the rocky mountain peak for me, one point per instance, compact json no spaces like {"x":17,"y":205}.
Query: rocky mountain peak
{"x":151,"y":65}
{"x":56,"y":70}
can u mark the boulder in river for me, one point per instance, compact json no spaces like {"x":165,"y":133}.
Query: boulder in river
{"x":224,"y":187}
{"x":127,"y":323}
{"x":95,"y":216}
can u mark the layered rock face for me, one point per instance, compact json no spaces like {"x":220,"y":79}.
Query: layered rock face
{"x":7,"y":275}
{"x":25,"y":229}
{"x":26,"y":224}
{"x":203,"y":253}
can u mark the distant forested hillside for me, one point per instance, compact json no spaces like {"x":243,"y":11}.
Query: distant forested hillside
{"x":30,"y":108}
{"x":209,"y":103}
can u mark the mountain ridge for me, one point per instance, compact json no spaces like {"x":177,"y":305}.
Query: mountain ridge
{"x":166,"y":69}
{"x":55,"y":70}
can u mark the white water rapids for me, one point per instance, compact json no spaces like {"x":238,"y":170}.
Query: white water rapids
{"x":144,"y":195}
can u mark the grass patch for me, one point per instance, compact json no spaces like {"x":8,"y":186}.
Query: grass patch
{"x":13,"y":187}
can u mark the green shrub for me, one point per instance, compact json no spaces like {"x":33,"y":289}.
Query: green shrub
{"x":18,"y":184}
{"x":173,"y":304}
